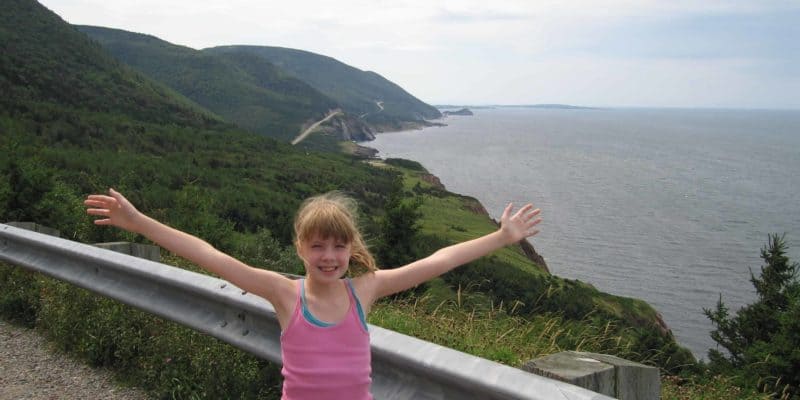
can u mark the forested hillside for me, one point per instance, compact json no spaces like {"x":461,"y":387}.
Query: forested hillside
{"x":242,"y":88}
{"x":270,"y":90}
{"x":45,"y":62}
{"x":75,"y":121}
{"x":364,"y":93}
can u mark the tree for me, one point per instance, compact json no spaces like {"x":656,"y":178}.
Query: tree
{"x":762,"y":340}
{"x":28,"y":181}
{"x":399,"y":229}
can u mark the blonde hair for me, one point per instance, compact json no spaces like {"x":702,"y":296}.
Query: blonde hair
{"x":335,"y":215}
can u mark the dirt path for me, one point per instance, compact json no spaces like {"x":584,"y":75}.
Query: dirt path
{"x":31,"y":370}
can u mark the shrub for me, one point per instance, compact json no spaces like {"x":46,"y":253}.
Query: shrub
{"x":409,"y":164}
{"x":762,"y":340}
{"x":164,"y":358}
{"x":19,"y":295}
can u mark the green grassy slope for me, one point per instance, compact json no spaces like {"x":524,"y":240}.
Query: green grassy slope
{"x":509,"y":277}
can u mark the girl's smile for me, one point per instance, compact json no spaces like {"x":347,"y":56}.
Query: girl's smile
{"x":328,"y":257}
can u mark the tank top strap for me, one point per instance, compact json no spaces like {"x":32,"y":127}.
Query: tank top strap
{"x":299,"y":303}
{"x":354,"y":299}
{"x":306,"y":312}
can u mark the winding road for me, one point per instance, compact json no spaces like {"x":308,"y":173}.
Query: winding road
{"x":305,"y":133}
{"x":380,"y":108}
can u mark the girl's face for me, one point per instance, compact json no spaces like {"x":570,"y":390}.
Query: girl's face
{"x":326,"y":259}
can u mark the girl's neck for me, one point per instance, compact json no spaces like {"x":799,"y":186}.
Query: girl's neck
{"x":323,"y":289}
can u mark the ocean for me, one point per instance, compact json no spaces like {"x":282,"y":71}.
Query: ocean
{"x":671,"y":206}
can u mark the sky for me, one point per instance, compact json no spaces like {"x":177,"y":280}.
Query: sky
{"x":605,"y":53}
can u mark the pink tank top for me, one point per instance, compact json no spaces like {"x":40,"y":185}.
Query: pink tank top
{"x":329,"y":362}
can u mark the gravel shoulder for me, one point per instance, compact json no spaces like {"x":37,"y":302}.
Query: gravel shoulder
{"x":30,"y":369}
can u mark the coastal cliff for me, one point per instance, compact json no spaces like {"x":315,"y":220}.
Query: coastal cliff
{"x":518,"y":275}
{"x":348,"y":127}
{"x":474,"y":206}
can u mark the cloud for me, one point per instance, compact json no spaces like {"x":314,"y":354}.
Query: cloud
{"x":614,"y":51}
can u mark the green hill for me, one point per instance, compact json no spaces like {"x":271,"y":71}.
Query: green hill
{"x":363,"y":93}
{"x":243,"y":88}
{"x":44,"y":61}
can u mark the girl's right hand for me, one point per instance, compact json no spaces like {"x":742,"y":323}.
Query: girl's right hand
{"x":519,"y":225}
{"x":116,"y":209}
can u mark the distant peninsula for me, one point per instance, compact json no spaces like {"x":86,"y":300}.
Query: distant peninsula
{"x":446,"y":108}
{"x":552,"y":106}
{"x":462,"y":111}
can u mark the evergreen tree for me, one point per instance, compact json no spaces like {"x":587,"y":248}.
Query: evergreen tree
{"x":399,"y":230}
{"x":762,"y":341}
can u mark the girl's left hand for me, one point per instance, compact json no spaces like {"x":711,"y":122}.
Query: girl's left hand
{"x":520,"y":225}
{"x":115,"y":209}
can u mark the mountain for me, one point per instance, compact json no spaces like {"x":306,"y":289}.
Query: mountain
{"x":44,"y":61}
{"x":243,"y":88}
{"x":364,"y":93}
{"x":271,"y":91}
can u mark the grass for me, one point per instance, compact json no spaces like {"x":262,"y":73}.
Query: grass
{"x":715,"y":388}
{"x":470,"y":322}
{"x":456,"y":218}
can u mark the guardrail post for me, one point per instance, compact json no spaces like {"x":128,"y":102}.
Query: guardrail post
{"x":146,"y":251}
{"x":32,"y":226}
{"x":601,"y":373}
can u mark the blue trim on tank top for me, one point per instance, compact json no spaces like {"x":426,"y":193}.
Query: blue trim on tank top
{"x":322,"y":324}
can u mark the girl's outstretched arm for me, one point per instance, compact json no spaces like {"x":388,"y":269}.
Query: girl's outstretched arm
{"x":119,"y":212}
{"x":513,"y":228}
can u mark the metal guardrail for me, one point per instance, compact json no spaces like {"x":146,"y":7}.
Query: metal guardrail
{"x":403,"y":367}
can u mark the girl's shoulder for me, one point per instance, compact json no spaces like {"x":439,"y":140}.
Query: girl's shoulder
{"x":365,"y":286}
{"x":285,"y":295}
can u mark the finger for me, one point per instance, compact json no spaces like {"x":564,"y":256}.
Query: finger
{"x":102,"y":222}
{"x":532,"y":214}
{"x":523,"y":210}
{"x":533,"y":223}
{"x":118,"y":196}
{"x":98,"y":211}
{"x":115,"y":194}
{"x":100,"y":197}
{"x":507,"y":211}
{"x":95,"y":203}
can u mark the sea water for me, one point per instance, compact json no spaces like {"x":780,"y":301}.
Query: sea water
{"x":671,"y":206}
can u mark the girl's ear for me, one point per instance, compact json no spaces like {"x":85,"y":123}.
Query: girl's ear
{"x":298,"y":248}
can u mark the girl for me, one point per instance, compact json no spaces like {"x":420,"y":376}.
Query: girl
{"x":324,"y":340}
